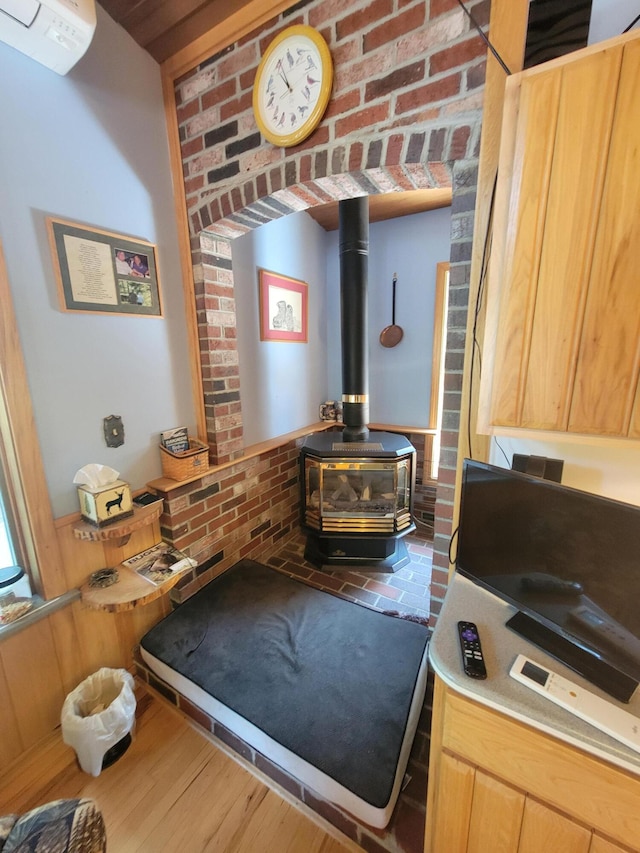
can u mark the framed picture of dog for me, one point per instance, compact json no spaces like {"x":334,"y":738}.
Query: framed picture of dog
{"x":283,"y":308}
{"x":102,"y":272}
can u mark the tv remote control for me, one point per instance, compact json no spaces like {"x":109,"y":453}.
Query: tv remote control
{"x":601,"y":713}
{"x":472,"y":657}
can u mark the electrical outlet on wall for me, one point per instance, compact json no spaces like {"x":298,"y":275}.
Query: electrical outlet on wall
{"x":113,"y":430}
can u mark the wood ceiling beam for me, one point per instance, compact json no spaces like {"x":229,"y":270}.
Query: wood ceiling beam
{"x":212,"y":30}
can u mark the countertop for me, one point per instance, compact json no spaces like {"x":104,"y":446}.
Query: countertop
{"x":467,"y":601}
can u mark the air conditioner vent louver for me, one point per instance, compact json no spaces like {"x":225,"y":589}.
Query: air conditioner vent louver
{"x":56,"y":33}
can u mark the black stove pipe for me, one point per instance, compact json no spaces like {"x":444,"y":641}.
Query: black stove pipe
{"x":354,"y":267}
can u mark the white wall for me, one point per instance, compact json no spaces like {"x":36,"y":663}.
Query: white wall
{"x":281,"y":384}
{"x":91,"y":147}
{"x":604,"y":467}
{"x":399,"y":377}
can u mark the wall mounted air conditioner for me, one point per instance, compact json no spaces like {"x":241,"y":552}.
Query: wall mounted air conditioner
{"x":55,"y":33}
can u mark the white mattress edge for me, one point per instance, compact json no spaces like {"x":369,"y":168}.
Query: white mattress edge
{"x":297,"y":767}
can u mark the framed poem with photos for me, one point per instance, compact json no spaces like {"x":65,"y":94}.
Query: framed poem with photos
{"x":102,"y":272}
{"x":283,"y":308}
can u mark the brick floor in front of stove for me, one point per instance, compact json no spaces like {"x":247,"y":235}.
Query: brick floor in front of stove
{"x":406,"y":591}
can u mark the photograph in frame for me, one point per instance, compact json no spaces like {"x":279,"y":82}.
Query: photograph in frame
{"x":100,"y":271}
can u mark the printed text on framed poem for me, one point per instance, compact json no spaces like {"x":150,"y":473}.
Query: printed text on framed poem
{"x":101,"y":272}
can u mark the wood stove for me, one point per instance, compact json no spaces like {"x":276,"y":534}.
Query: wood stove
{"x":357,"y":499}
{"x":357,"y":487}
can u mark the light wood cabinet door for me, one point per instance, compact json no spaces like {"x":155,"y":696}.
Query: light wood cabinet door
{"x":563,"y":334}
{"x":476,"y":813}
{"x":604,"y":399}
{"x":546,"y":829}
{"x":601,"y":845}
{"x":453,"y":805}
{"x":498,"y":785}
{"x":496,"y":816}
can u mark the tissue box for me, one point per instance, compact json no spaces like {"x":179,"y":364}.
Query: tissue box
{"x":105,"y":504}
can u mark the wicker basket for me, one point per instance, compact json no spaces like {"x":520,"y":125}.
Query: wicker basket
{"x":189,"y":463}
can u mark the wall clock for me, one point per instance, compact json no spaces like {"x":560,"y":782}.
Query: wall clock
{"x":292,"y":86}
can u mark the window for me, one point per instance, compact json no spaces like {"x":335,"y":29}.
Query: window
{"x":7,"y":554}
{"x":24,"y":500}
{"x":13,"y":547}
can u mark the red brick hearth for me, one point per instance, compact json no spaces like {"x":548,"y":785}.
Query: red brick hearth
{"x":405,"y":592}
{"x":249,"y":508}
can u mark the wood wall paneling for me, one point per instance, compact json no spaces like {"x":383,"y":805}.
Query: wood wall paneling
{"x":25,"y":464}
{"x":43,"y":663}
{"x":11,"y":744}
{"x":79,"y":559}
{"x":602,"y":845}
{"x":34,"y":681}
{"x":71,"y":647}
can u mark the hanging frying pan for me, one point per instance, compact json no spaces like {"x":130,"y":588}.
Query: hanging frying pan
{"x":391,"y":335}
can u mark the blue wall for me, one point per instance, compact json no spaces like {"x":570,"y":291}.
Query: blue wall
{"x":91,"y":147}
{"x":283,"y":384}
{"x":399,"y":377}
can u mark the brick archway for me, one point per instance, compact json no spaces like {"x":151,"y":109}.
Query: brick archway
{"x":213,"y":273}
{"x":406,"y":107}
{"x":400,"y":162}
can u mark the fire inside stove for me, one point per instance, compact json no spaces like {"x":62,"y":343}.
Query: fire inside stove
{"x":358,"y":495}
{"x":357,"y":498}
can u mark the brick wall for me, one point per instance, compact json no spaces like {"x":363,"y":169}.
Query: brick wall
{"x":465,"y":179}
{"x":404,"y":114}
{"x":245,"y":509}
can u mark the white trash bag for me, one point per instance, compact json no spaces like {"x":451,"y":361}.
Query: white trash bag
{"x":98,"y":714}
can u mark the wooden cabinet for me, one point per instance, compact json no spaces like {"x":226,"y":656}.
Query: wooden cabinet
{"x":562,"y":335}
{"x":498,"y":785}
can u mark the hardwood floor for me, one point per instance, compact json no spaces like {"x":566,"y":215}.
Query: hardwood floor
{"x":173,"y":790}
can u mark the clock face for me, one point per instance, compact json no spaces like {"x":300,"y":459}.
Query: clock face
{"x":292,"y":86}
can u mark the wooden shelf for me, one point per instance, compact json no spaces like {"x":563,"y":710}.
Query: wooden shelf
{"x":402,"y":429}
{"x":129,"y":592}
{"x":142,"y":516}
{"x":165,"y":484}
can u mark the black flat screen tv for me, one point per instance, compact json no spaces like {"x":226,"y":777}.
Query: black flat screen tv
{"x":568,"y":560}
